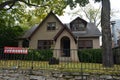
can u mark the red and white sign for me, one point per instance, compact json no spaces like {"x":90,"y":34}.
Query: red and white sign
{"x":15,"y":50}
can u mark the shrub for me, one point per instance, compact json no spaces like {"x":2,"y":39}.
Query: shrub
{"x":116,"y":55}
{"x":90,"y":55}
{"x":40,"y":55}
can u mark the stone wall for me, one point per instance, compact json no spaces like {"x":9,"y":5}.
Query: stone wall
{"x":12,"y":74}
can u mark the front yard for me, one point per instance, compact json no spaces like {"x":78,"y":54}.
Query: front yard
{"x":62,"y":66}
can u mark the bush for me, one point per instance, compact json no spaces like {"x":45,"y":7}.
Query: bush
{"x":90,"y":55}
{"x":116,"y":55}
{"x":39,"y":55}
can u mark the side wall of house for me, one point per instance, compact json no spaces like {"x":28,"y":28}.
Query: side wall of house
{"x":43,"y":34}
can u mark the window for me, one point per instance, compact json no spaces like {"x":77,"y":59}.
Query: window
{"x":44,"y":44}
{"x":81,"y":27}
{"x":85,"y":44}
{"x":51,"y":26}
{"x":78,"y":26}
{"x":25,"y":43}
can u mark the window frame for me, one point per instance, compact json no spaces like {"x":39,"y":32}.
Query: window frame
{"x":44,"y":44}
{"x":83,"y":44}
{"x":50,"y":26}
{"x":76,"y":26}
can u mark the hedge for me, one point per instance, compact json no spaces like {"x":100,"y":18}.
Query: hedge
{"x":90,"y":55}
{"x":41,"y":55}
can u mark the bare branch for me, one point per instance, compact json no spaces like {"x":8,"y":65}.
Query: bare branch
{"x":86,"y":14}
{"x":97,"y":12}
{"x":11,"y":3}
{"x":2,"y":5}
{"x":98,"y":23}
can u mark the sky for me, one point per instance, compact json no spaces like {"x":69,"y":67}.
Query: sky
{"x":115,"y":6}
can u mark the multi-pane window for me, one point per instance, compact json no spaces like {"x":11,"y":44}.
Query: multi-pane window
{"x":85,"y":44}
{"x":81,"y":27}
{"x":51,"y":25}
{"x":78,"y":26}
{"x":44,"y":44}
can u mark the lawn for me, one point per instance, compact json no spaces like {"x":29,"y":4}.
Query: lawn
{"x":63,"y":66}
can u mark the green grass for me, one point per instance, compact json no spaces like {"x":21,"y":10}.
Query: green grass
{"x":63,"y":66}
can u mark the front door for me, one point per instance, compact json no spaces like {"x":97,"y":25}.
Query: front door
{"x":65,"y":46}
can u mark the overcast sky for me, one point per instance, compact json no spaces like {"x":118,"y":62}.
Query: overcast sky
{"x":115,"y":5}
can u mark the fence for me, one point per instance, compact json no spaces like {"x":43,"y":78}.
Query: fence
{"x":90,"y":61}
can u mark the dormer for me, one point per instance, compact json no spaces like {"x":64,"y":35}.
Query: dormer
{"x":78,"y":24}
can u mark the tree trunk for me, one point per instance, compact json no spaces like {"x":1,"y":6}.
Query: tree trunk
{"x":106,"y":34}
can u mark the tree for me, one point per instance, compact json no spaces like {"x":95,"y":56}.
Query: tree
{"x":9,"y":32}
{"x":31,"y":12}
{"x":59,"y":5}
{"x":106,"y":34}
{"x":90,"y":13}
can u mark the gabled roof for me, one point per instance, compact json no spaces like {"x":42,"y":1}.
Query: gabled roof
{"x":91,"y":31}
{"x":78,"y":18}
{"x":64,"y":28}
{"x":30,"y":32}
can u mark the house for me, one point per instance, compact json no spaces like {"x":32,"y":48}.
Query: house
{"x":65,"y":39}
{"x":115,"y":29}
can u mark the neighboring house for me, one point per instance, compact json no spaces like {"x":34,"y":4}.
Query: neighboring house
{"x":115,"y":29}
{"x":63,"y":39}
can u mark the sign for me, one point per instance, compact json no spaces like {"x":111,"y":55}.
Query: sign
{"x":15,"y":50}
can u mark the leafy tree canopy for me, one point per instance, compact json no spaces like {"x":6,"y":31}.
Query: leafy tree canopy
{"x":8,"y":4}
{"x":9,"y":32}
{"x":30,"y":12}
